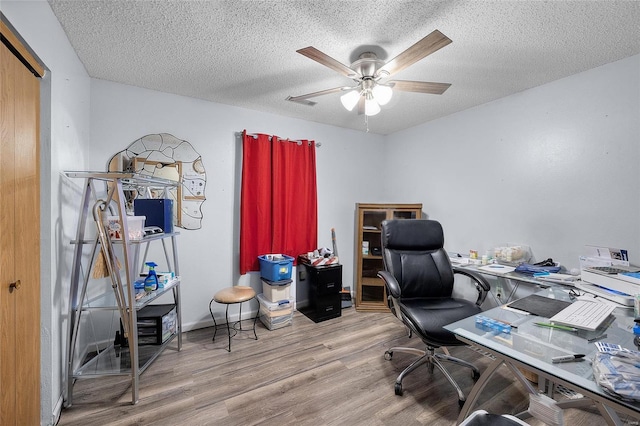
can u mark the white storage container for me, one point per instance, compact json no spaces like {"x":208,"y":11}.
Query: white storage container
{"x":275,"y":314}
{"x":274,"y":291}
{"x":267,"y":305}
{"x":283,"y":319}
{"x":134,"y":223}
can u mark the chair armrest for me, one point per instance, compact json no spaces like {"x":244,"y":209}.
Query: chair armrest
{"x":393,"y":295}
{"x":391,"y":283}
{"x":480,"y":282}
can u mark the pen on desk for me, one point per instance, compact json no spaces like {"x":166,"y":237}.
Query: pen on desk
{"x":517,"y":311}
{"x":593,"y":339}
{"x":566,"y":358}
{"x":559,"y":327}
{"x":517,"y":322}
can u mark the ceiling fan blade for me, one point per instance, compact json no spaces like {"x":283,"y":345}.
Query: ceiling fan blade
{"x":326,"y":60}
{"x":419,"y":86}
{"x":425,"y":47}
{"x":304,"y":98}
{"x":361,"y":105}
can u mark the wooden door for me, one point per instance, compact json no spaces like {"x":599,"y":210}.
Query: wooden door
{"x":19,"y":239}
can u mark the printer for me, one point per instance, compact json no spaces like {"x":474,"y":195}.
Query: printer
{"x":608,"y":274}
{"x":613,"y":285}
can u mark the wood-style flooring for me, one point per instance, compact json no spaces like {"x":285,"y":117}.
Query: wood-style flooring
{"x":327,"y":373}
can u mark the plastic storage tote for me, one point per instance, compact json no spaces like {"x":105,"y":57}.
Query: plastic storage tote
{"x":275,"y":267}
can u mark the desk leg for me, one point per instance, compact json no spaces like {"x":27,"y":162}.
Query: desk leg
{"x":477,"y":389}
{"x":609,"y":415}
{"x":525,"y":382}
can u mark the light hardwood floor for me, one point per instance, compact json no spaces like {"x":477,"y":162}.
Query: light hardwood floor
{"x":329,"y":373}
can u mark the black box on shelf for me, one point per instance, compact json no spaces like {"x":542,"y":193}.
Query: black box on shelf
{"x":156,"y":323}
{"x":158,"y":212}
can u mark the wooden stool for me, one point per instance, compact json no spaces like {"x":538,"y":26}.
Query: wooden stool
{"x":230,"y":296}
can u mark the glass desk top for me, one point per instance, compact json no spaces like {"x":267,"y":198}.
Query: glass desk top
{"x":516,"y":276}
{"x":529,"y":345}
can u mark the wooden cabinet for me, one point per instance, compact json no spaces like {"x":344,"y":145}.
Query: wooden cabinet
{"x":370,"y":291}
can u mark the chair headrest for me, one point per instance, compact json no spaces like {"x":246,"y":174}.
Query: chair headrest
{"x":413,"y":234}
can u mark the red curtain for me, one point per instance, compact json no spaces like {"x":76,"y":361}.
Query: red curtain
{"x":278,"y":210}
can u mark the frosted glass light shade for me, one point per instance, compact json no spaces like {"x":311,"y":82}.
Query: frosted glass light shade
{"x":371,"y":107}
{"x":350,"y":99}
{"x":382,"y":94}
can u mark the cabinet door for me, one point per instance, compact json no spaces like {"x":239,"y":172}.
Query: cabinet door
{"x":370,"y":292}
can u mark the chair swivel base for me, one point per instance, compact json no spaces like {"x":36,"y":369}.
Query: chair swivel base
{"x":431,"y":359}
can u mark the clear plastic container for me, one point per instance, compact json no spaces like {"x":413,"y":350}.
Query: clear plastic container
{"x":134,"y":223}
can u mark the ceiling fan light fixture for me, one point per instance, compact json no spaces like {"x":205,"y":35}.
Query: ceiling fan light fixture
{"x":371,"y":107}
{"x":382,"y":94}
{"x":371,"y":73}
{"x":350,"y":99}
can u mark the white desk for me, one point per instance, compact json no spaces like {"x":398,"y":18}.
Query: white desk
{"x":531,"y":348}
{"x":505,"y":287}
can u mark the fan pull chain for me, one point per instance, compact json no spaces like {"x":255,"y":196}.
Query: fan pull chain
{"x":366,"y":122}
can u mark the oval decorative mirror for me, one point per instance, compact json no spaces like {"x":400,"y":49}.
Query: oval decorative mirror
{"x":164,"y":156}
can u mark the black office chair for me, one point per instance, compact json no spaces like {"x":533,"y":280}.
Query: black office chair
{"x":419,"y":281}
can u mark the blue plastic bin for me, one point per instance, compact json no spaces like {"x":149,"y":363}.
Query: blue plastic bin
{"x":276,"y":270}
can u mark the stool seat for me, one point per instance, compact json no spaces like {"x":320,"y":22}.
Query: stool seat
{"x":236,"y":294}
{"x":230,"y":296}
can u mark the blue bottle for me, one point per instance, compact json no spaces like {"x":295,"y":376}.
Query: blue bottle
{"x":151,"y":282}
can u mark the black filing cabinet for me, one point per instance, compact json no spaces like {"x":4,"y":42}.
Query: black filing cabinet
{"x":325,"y":284}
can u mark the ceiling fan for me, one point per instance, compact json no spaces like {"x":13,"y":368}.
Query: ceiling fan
{"x":372,"y":88}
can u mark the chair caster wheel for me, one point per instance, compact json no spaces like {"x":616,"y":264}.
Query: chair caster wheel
{"x":398,"y":389}
{"x":388,"y":355}
{"x":461,"y":403}
{"x":475,"y":376}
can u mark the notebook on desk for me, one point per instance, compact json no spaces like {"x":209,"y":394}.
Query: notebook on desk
{"x":539,"y":305}
{"x":584,"y":314}
{"x":497,"y":268}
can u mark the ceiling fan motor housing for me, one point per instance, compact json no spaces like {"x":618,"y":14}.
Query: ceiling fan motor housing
{"x":367,"y":65}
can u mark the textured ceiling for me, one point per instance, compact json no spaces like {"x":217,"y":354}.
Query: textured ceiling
{"x":243,"y":53}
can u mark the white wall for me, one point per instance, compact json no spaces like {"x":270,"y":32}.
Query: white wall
{"x":346,"y":163}
{"x":65,"y":137}
{"x":554,"y":167}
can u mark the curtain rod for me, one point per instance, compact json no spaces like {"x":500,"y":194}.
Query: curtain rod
{"x":298,"y":141}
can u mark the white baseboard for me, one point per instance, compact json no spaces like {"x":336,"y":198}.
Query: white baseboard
{"x":57,"y":411}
